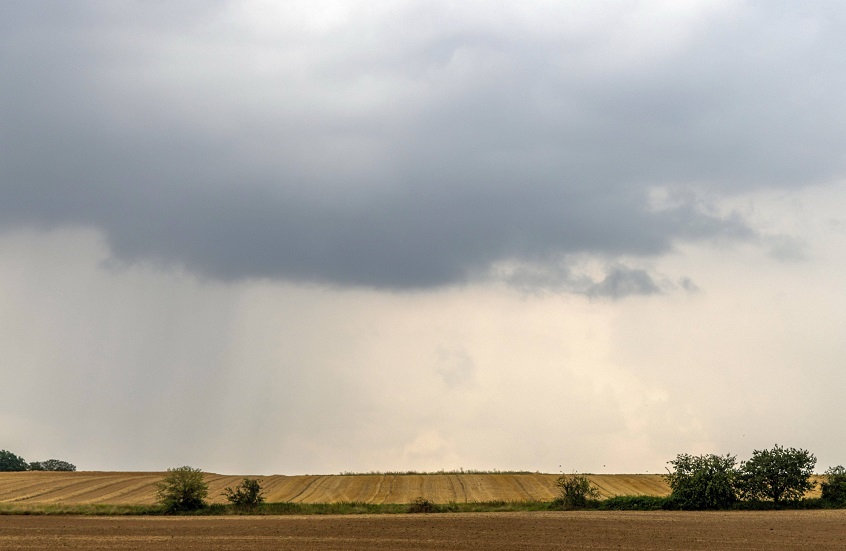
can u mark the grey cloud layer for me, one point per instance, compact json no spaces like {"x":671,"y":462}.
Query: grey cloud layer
{"x":408,"y":144}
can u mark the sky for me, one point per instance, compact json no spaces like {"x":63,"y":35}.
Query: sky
{"x":325,"y":236}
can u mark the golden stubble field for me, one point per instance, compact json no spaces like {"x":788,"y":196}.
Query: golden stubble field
{"x":136,"y":488}
{"x":118,"y":488}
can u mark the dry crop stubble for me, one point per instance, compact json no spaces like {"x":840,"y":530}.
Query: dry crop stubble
{"x":121,"y":488}
{"x":139,"y":488}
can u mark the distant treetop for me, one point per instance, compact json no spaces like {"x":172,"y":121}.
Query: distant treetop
{"x":12,"y":462}
{"x":51,"y":465}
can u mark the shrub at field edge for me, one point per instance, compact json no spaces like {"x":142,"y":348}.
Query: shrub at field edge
{"x":182,"y":489}
{"x":834,"y":486}
{"x":702,"y":481}
{"x":575,"y":492}
{"x":247,"y":494}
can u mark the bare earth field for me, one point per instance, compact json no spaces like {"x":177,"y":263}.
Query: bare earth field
{"x":115,"y":488}
{"x":633,"y":531}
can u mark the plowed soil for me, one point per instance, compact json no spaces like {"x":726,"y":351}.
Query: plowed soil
{"x":748,"y":531}
{"x":116,"y":488}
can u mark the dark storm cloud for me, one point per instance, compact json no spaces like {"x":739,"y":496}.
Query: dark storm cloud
{"x":623,"y":282}
{"x":414,"y":148}
{"x":618,"y":282}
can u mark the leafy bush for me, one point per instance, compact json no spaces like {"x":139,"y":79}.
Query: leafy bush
{"x":422,"y":505}
{"x":576,"y":491}
{"x":182,"y":489}
{"x":635,"y":503}
{"x":834,"y":487}
{"x":11,"y":462}
{"x":780,"y":474}
{"x":702,"y":481}
{"x":246,"y":494}
{"x":807,"y":503}
{"x":52,"y":465}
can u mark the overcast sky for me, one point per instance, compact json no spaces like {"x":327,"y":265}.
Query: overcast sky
{"x":319,"y":236}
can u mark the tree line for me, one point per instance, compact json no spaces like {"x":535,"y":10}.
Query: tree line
{"x":773,"y":478}
{"x":778,"y":475}
{"x":12,"y":462}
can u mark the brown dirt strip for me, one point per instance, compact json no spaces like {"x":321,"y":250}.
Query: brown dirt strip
{"x":632,"y":531}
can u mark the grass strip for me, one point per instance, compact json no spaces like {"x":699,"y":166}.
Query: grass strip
{"x":282,"y":508}
{"x":79,"y":509}
{"x":618,"y":503}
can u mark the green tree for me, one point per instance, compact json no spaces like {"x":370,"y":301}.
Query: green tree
{"x":703,"y":481}
{"x":182,"y":489}
{"x":780,"y":474}
{"x":246,"y":494}
{"x":51,"y":465}
{"x":12,"y":462}
{"x":834,"y":485}
{"x":575,"y":491}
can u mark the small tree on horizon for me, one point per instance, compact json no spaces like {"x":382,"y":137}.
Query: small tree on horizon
{"x":9,"y":462}
{"x":52,"y":465}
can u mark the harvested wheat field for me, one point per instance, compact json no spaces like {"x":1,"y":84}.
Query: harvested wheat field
{"x":660,"y":530}
{"x":115,"y":488}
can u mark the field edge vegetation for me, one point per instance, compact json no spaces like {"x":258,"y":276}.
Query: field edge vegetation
{"x":616,"y":503}
{"x":773,"y":479}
